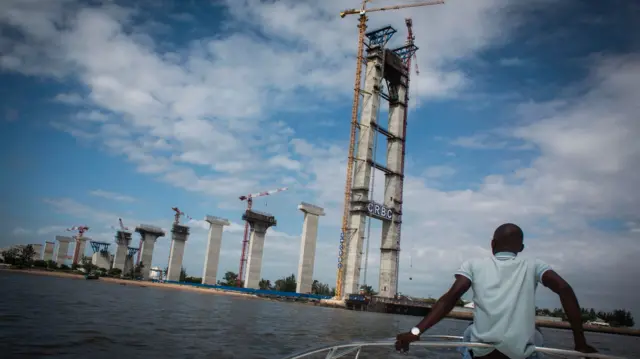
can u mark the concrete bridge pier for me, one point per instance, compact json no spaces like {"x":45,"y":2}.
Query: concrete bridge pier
{"x":48,"y":250}
{"x":123,"y":239}
{"x":308,"y":246}
{"x":212,"y":256}
{"x":63,"y":249}
{"x":149,"y":236}
{"x":37,"y":251}
{"x":179,"y":236}
{"x":259,"y":223}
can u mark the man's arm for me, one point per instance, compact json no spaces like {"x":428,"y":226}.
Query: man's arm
{"x":446,"y":303}
{"x":558,"y":285}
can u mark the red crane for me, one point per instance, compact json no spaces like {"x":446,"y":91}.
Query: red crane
{"x":81,"y":230}
{"x":249,"y":198}
{"x":178,"y":214}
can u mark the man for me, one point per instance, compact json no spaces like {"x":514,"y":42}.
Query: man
{"x":504,"y":296}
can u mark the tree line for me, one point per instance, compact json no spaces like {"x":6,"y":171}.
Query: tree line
{"x":23,"y":257}
{"x":19,"y":256}
{"x":615,"y":318}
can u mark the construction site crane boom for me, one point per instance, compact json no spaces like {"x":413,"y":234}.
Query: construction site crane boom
{"x":122,"y":227}
{"x":249,"y":198}
{"x":178,"y":214}
{"x":362,"y":27}
{"x":362,"y":11}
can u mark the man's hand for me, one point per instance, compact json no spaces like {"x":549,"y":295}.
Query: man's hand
{"x":404,"y":339}
{"x":584,"y":348}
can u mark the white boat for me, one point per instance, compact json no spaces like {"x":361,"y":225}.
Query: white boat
{"x":353,"y":349}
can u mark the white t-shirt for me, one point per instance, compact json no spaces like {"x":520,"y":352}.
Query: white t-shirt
{"x":504,"y":287}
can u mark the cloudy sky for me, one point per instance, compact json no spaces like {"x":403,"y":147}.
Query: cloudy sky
{"x":522,"y":112}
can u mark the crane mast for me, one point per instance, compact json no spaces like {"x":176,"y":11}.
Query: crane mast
{"x":76,"y":250}
{"x":362,"y":26}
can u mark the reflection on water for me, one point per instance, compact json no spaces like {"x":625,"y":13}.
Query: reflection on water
{"x":45,"y":316}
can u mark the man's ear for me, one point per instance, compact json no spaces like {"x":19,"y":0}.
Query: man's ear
{"x":493,"y":244}
{"x":521,"y":247}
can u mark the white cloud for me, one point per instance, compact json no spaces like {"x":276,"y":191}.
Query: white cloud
{"x":19,"y":231}
{"x":438,"y":171}
{"x":46,"y":230}
{"x":511,"y":61}
{"x":69,"y":98}
{"x":112,"y":196}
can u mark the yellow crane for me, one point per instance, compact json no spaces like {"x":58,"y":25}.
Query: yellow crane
{"x":362,"y":27}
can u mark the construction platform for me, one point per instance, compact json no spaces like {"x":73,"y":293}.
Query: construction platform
{"x":257,"y":292}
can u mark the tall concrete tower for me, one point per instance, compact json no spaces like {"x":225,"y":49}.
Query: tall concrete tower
{"x":37,"y":251}
{"x":388,"y":66}
{"x":259,"y":222}
{"x":149,"y":236}
{"x":179,"y":236}
{"x":212,"y":255}
{"x":308,"y":246}
{"x":48,"y":250}
{"x":123,"y":239}
{"x":63,"y":249}
{"x":128,"y":262}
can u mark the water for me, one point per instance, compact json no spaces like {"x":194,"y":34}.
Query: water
{"x":65,"y":318}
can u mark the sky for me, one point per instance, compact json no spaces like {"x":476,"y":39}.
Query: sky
{"x":521,"y":112}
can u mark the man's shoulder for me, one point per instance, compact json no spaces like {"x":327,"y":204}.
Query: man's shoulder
{"x":481,"y":260}
{"x":476,"y":262}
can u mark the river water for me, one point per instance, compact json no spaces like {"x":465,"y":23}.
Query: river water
{"x":43,"y":316}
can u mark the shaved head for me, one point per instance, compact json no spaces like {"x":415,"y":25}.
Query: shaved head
{"x":509,"y":238}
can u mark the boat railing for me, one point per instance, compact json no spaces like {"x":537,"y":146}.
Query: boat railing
{"x":354,"y":348}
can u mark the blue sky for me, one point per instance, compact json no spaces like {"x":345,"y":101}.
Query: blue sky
{"x":522,"y":112}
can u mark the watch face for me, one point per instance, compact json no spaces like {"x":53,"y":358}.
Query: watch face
{"x":415,"y":331}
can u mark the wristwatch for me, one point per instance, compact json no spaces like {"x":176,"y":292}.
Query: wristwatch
{"x":415,"y":331}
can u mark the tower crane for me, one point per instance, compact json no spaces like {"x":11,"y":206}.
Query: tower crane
{"x":362,"y":27}
{"x":249,"y":198}
{"x":80,"y":230}
{"x":178,"y":214}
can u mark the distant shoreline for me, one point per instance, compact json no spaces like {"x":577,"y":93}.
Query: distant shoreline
{"x":468,"y":316}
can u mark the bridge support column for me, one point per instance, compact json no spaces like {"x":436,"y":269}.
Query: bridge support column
{"x":354,"y":238}
{"x":48,"y":250}
{"x":308,"y":246}
{"x":123,"y":239}
{"x":149,"y":236}
{"x":212,"y":256}
{"x":63,"y":249}
{"x":179,"y":236}
{"x":259,"y":223}
{"x":37,"y":251}
{"x":390,"y":244}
